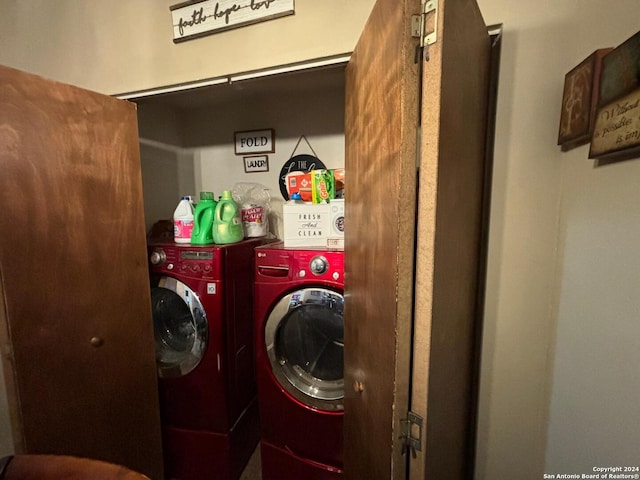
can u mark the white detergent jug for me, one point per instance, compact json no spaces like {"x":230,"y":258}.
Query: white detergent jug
{"x":183,"y":221}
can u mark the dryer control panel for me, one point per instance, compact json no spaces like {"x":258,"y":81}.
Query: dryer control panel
{"x":194,"y":263}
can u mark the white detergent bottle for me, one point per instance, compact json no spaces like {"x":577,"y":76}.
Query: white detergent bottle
{"x":183,"y":221}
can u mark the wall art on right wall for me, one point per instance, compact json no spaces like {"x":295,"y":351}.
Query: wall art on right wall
{"x":616,"y":134}
{"x":579,"y":101}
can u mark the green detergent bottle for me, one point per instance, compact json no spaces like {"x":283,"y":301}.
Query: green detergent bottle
{"x":227,"y":221}
{"x":202,"y":233}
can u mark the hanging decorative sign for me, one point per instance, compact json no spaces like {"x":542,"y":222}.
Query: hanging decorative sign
{"x":197,"y":18}
{"x":298,"y":163}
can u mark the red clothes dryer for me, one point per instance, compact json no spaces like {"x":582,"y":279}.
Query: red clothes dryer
{"x":203,"y":320}
{"x":299,"y":361}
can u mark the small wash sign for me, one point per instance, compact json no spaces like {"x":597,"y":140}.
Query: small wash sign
{"x":204,"y":17}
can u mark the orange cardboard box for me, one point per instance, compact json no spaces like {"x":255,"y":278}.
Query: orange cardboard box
{"x":299,"y":182}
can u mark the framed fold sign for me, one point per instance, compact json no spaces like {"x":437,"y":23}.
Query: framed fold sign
{"x":580,"y":101}
{"x":617,"y":129}
{"x":197,"y":18}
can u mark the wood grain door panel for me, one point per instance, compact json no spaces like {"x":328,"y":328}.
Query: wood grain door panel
{"x":412,"y":244}
{"x":450,"y":207}
{"x":381,"y":122}
{"x":73,"y":260}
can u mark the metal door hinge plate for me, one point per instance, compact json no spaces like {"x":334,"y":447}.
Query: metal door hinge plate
{"x":420,"y":22}
{"x":411,"y":433}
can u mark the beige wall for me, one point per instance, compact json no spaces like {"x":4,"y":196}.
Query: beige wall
{"x":560,"y":372}
{"x":309,"y":104}
{"x":128,"y":45}
{"x":559,"y":375}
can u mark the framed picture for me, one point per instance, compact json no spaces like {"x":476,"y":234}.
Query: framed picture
{"x":255,"y":141}
{"x":617,"y":130}
{"x":616,"y":135}
{"x":580,"y":101}
{"x":620,"y":74}
{"x":256,"y":163}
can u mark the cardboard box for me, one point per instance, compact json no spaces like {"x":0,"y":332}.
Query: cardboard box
{"x":304,"y":184}
{"x":299,"y":182}
{"x":322,"y":186}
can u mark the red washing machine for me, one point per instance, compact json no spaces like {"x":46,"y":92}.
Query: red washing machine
{"x":299,"y":361}
{"x":202,"y":302}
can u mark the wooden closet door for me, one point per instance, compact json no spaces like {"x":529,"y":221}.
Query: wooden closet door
{"x":412,"y":241}
{"x":455,"y":86}
{"x":381,"y":122}
{"x":77,"y":309}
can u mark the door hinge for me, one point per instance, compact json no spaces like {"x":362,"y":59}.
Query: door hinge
{"x":425,"y":27}
{"x":422,"y":27}
{"x":411,"y":433}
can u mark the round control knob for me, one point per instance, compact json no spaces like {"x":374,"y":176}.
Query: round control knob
{"x":319,"y":265}
{"x":158,"y":257}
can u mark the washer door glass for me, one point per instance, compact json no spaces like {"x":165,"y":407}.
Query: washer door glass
{"x":304,"y":341}
{"x":180,"y":328}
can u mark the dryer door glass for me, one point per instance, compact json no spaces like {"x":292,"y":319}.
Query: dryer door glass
{"x":180,"y":328}
{"x":304,"y":341}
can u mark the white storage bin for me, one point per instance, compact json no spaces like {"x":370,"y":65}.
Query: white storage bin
{"x":306,"y":225}
{"x":314,"y":225}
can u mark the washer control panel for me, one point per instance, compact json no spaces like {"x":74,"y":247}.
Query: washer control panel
{"x":326,"y":266}
{"x":318,"y":265}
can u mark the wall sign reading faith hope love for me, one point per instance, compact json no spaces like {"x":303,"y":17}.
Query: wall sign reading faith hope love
{"x":197,"y":18}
